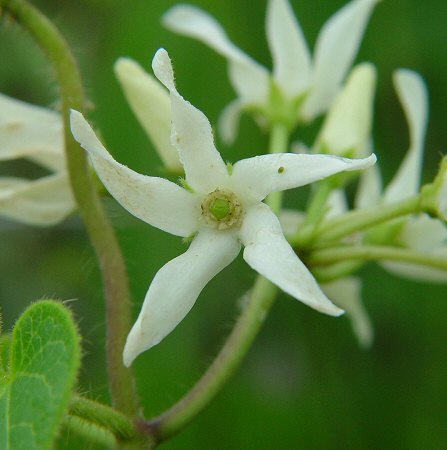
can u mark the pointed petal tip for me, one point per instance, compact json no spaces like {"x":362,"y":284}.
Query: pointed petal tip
{"x":162,"y":67}
{"x":328,"y":307}
{"x":135,"y":344}
{"x":76,"y":122}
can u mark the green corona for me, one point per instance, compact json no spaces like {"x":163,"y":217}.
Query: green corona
{"x":221,"y":209}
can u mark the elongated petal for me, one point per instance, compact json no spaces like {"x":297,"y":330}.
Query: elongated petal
{"x":337,"y":203}
{"x":29,"y":131}
{"x":42,"y":202}
{"x":254,"y":178}
{"x":369,"y":192}
{"x":418,"y":272}
{"x":151,"y":104}
{"x":156,"y":201}
{"x":414,"y":99}
{"x":336,"y":47}
{"x":229,"y":121}
{"x":346,"y":293}
{"x":191,"y":134}
{"x":423,"y":233}
{"x":250,"y":79}
{"x":347,"y":127}
{"x":268,"y":252}
{"x":176,"y":287}
{"x":291,"y":57}
{"x":426,"y":235}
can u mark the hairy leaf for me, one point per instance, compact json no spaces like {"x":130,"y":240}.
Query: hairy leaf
{"x":36,"y":386}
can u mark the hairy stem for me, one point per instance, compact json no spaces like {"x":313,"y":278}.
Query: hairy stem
{"x":102,"y":236}
{"x":222,"y":368}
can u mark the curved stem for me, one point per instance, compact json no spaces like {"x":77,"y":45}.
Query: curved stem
{"x":359,"y":220}
{"x":102,"y":415}
{"x":223,"y":366}
{"x":247,"y":326}
{"x":100,"y":231}
{"x":375,"y":253}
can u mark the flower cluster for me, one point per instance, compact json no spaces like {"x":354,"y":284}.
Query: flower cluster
{"x":36,"y":134}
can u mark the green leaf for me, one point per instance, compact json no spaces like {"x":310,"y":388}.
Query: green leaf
{"x":5,"y":341}
{"x":43,"y":362}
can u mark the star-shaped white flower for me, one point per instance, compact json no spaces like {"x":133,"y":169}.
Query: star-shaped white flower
{"x":417,"y":232}
{"x":304,"y":86}
{"x":34,"y":133}
{"x":222,"y":209}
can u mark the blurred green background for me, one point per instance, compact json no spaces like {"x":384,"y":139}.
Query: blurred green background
{"x":305,"y":383}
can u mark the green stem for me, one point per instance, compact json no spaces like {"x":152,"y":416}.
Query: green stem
{"x":375,"y":253}
{"x":314,"y":214}
{"x":335,"y":271}
{"x":102,"y":236}
{"x":279,"y":140}
{"x":359,"y":220}
{"x":223,"y":366}
{"x":237,"y":344}
{"x":94,"y":434}
{"x":103,"y":416}
{"x":316,"y":209}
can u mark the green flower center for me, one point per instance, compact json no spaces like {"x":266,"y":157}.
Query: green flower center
{"x":221,"y":209}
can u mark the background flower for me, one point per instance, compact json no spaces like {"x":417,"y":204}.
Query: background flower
{"x":33,"y":133}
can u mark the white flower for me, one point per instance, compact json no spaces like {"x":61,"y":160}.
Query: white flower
{"x":36,"y":134}
{"x":222,"y":209}
{"x":150,"y":103}
{"x":417,"y":232}
{"x":303,"y":87}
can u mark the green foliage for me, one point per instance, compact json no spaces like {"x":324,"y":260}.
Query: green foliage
{"x":43,"y":362}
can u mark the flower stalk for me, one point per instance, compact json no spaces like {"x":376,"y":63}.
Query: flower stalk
{"x":256,"y":308}
{"x":359,"y":220}
{"x":101,"y":233}
{"x":375,"y":253}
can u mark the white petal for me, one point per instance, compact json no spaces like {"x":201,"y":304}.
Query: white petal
{"x":268,"y":252}
{"x":254,"y":178}
{"x":249,"y":78}
{"x":369,"y":191}
{"x":337,"y":203}
{"x":43,"y":202}
{"x":416,"y":272}
{"x":229,"y":121}
{"x":176,"y":287}
{"x":423,"y":233}
{"x":151,"y":104}
{"x":347,"y":127}
{"x":426,"y":235}
{"x":191,"y":134}
{"x":156,"y":201}
{"x":29,"y":131}
{"x":346,"y":293}
{"x":414,"y":99}
{"x":336,"y":47}
{"x":291,"y":58}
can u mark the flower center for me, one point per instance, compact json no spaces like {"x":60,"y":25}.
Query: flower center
{"x":221,"y":209}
